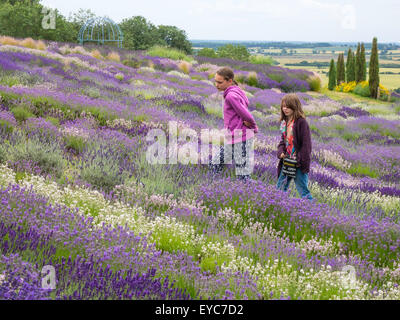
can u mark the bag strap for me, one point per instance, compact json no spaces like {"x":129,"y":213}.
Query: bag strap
{"x":286,"y":126}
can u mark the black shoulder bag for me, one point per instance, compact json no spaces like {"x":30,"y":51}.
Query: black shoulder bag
{"x":289,"y":165}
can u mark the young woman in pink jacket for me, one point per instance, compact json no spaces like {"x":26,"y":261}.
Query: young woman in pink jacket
{"x":239,"y":125}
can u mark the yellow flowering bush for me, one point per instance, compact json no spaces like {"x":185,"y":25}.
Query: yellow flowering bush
{"x":361,"y":88}
{"x":349,"y":87}
{"x":346,"y":87}
{"x":383,"y":90}
{"x":339,"y":87}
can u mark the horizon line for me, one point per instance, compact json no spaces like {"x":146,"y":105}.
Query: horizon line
{"x":293,"y":41}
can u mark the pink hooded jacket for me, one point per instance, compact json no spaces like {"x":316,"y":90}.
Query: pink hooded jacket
{"x":235,"y":112}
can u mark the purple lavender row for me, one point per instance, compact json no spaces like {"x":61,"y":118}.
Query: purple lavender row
{"x":73,"y":236}
{"x":74,"y":278}
{"x":376,"y":241}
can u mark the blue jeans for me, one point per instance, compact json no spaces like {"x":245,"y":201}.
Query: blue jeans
{"x":301,"y":182}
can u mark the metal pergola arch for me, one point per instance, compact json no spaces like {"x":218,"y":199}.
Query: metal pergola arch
{"x":96,"y":30}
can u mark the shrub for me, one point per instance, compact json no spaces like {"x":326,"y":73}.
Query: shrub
{"x":21,"y":113}
{"x":96,"y":54}
{"x":315,"y":83}
{"x":165,"y":52}
{"x":119,"y":76}
{"x":74,"y":143}
{"x":276,"y":77}
{"x":3,"y":154}
{"x":213,"y":107}
{"x":177,"y":74}
{"x":240,"y":77}
{"x":189,"y":108}
{"x":47,"y":156}
{"x":346,"y":87}
{"x":103,"y":173}
{"x":141,"y":118}
{"x":185,"y":66}
{"x":79,"y":50}
{"x":65,"y":49}
{"x":156,"y":179}
{"x":384,"y":97}
{"x":261,"y":59}
{"x":10,"y":79}
{"x":361,"y":169}
{"x":196,"y":77}
{"x":132,"y":63}
{"x":339,"y":127}
{"x":294,"y":85}
{"x":114,"y":56}
{"x":350,"y":136}
{"x":53,"y":121}
{"x":362,"y":89}
{"x":28,"y":43}
{"x":101,"y":116}
{"x":252,"y":79}
{"x":6,"y":126}
{"x":207,"y":52}
{"x":9,"y":41}
{"x":383,"y":90}
{"x":92,"y":92}
{"x":40,"y":45}
{"x":147,"y":69}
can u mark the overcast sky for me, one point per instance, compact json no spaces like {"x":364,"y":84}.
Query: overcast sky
{"x":266,"y":20}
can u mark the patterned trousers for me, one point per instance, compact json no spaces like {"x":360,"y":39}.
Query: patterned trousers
{"x":241,"y":153}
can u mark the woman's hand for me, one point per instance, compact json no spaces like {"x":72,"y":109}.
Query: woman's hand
{"x":282,"y":155}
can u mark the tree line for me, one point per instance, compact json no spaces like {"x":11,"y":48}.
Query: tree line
{"x":355,"y":68}
{"x":23,"y":18}
{"x":231,"y":51}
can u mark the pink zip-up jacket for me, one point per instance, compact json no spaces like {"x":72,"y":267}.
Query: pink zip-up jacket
{"x":235,"y":112}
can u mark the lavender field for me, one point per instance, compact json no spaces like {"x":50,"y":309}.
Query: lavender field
{"x":78,"y":194}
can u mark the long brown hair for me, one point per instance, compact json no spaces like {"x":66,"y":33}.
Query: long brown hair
{"x":292,"y":101}
{"x":227,"y":73}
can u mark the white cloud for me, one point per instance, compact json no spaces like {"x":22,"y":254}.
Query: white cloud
{"x":321,"y":5}
{"x":345,"y":14}
{"x":242,"y":7}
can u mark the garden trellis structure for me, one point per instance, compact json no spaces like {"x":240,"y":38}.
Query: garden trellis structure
{"x":101,"y":30}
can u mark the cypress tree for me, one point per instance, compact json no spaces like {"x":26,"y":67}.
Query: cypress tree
{"x":350,"y":66}
{"x":363,"y":70}
{"x":338,"y":69}
{"x":341,"y":74}
{"x":357,"y":65}
{"x":332,"y":76}
{"x":374,"y":70}
{"x":343,"y":69}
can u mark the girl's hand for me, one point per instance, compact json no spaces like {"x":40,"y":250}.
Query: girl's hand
{"x":282,"y":155}
{"x":247,"y":124}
